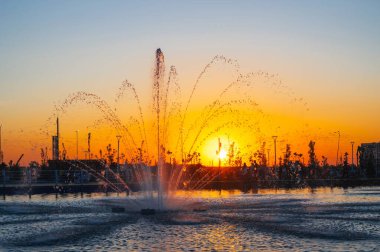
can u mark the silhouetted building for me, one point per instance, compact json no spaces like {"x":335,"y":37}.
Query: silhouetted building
{"x":370,"y":158}
{"x":55,"y":144}
{"x":1,"y":151}
{"x":55,"y":148}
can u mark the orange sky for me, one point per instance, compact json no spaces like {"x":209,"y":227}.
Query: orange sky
{"x":252,"y":111}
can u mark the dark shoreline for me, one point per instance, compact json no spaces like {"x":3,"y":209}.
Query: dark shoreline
{"x":254,"y":186}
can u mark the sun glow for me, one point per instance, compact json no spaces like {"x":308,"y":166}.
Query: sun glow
{"x":222,"y":154}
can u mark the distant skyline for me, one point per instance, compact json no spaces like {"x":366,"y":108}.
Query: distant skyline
{"x":326,"y":52}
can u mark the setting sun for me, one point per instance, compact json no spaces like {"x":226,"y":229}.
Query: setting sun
{"x":222,"y":154}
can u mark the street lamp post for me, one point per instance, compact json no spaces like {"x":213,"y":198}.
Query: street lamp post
{"x":77,"y":131}
{"x":275,"y":151}
{"x":352,"y":153}
{"x":337,"y":151}
{"x":118,"y":152}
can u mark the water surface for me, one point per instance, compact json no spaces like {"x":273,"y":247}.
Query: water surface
{"x":323,"y":219}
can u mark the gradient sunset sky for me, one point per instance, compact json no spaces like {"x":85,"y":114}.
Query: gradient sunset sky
{"x":326,"y":52}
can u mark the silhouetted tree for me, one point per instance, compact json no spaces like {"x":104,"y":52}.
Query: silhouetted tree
{"x":238,"y":161}
{"x":345,"y":165}
{"x":231,"y":153}
{"x":313,"y":162}
{"x":263,"y":157}
{"x":259,"y":156}
{"x":288,"y":153}
{"x":325,"y":166}
{"x":110,"y":154}
{"x":324,"y":161}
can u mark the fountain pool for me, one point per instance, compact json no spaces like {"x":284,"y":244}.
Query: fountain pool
{"x":322,"y":219}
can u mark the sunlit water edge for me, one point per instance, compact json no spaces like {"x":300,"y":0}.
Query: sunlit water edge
{"x":303,"y":219}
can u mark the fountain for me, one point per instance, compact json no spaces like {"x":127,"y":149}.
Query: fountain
{"x":175,"y":130}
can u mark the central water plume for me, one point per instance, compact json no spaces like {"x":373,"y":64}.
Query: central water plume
{"x":158,"y":81}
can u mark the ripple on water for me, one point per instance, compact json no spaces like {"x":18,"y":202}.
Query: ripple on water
{"x":339,"y":221}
